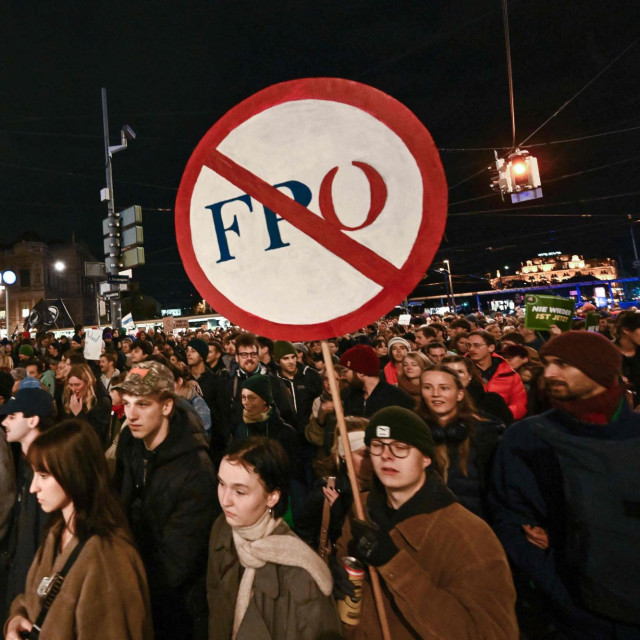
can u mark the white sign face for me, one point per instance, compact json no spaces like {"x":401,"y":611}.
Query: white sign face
{"x":404,"y":319}
{"x":93,"y":344}
{"x":309,"y":217}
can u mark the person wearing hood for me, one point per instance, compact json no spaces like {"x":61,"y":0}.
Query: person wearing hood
{"x":167,"y":484}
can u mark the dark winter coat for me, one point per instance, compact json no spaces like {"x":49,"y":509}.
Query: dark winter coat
{"x":527,"y":488}
{"x":305,"y":387}
{"x":383,"y":395}
{"x":170,"y":501}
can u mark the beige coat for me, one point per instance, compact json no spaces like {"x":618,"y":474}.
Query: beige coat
{"x":104,"y":596}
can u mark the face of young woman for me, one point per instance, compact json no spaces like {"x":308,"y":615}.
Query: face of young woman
{"x":411,"y":368}
{"x":62,"y":369}
{"x":77,"y":386}
{"x":440,"y":393}
{"x":461,"y":370}
{"x":242,"y":495}
{"x":398,"y":352}
{"x":50,"y":494}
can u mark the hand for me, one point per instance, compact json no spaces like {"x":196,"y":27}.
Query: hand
{"x":75,"y":404}
{"x":327,"y":407}
{"x":554,"y":330}
{"x":15,"y":626}
{"x":536,"y":536}
{"x":342,"y":586}
{"x":331,"y":495}
{"x":373,"y":545}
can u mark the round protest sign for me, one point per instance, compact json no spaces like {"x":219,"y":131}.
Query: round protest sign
{"x":311,"y":209}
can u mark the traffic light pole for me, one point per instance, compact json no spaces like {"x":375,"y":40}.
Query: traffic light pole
{"x":112,"y":259}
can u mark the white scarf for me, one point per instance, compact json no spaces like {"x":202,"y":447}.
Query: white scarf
{"x":256,"y":546}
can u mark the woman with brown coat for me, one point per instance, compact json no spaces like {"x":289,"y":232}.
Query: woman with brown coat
{"x":104,"y":596}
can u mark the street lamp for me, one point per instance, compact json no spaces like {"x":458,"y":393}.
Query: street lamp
{"x":59,"y":266}
{"x":452,"y":298}
{"x":8,"y":277}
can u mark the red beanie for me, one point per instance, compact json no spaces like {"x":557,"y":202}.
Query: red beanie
{"x":361,"y":359}
{"x":596,"y":356}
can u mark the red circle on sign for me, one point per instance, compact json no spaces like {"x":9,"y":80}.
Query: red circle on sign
{"x":396,"y":117}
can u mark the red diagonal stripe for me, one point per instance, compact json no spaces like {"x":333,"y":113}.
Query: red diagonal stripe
{"x":357,"y":255}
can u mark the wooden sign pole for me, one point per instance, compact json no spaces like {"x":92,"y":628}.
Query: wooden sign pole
{"x":357,"y":501}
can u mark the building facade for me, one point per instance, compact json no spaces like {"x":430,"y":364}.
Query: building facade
{"x":47,"y":270}
{"x":555,"y":268}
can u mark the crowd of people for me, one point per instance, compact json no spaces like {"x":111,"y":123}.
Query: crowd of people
{"x":194,"y":485}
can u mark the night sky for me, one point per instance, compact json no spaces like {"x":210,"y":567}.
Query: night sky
{"x":173,"y":68}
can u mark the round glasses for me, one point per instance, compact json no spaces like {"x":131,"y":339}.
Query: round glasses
{"x":398,"y":449}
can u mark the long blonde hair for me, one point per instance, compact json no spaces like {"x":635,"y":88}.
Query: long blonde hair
{"x":84,"y":373}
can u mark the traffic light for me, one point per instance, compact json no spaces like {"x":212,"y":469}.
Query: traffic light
{"x":517,"y":175}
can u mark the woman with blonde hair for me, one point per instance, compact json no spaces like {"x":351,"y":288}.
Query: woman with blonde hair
{"x":465,"y":439}
{"x":413,"y":364}
{"x":84,"y":398}
{"x":102,"y":593}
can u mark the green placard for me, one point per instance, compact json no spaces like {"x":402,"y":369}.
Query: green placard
{"x":543,"y":311}
{"x":592,"y":321}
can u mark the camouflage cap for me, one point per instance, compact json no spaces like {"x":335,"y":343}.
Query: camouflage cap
{"x":145,"y":378}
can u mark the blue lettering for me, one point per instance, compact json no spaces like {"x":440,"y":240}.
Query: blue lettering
{"x":302,"y":195}
{"x":221,"y":230}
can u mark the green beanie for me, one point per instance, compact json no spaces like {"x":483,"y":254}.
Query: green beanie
{"x":401,"y":424}
{"x":260,"y":385}
{"x":26,"y":350}
{"x":283,"y":348}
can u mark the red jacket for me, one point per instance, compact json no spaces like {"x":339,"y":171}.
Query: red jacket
{"x":506,"y":382}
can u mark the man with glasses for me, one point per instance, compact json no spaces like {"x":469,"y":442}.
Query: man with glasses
{"x":229,"y":399}
{"x":497,"y":375}
{"x":444,"y":571}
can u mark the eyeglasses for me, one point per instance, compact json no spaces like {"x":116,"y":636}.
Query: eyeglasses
{"x":248,"y":354}
{"x":398,"y":449}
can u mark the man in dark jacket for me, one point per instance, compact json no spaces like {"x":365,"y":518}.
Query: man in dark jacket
{"x":304,"y":382}
{"x":366,"y":392}
{"x":168,"y":487}
{"x":23,"y":418}
{"x":564,"y":500}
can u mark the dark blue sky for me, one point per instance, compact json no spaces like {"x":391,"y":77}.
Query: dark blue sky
{"x":173,"y":68}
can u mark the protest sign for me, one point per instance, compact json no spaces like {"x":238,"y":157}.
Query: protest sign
{"x":543,"y":311}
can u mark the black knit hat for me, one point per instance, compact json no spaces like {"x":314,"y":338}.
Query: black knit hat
{"x":401,"y":424}
{"x":260,"y":385}
{"x":200,"y":346}
{"x":596,"y":356}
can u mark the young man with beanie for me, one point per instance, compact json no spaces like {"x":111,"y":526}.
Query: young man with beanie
{"x":167,"y":484}
{"x":564,"y":496}
{"x":303,"y":382}
{"x":197,"y":354}
{"x":366,"y":392}
{"x":261,"y":417}
{"x":497,"y":375}
{"x":444,"y":572}
{"x":24,"y":418}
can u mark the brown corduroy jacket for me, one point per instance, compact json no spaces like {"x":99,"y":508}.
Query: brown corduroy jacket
{"x":449,"y":581}
{"x":104,"y":595}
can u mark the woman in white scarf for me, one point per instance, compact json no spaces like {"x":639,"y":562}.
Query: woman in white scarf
{"x":263,"y":582}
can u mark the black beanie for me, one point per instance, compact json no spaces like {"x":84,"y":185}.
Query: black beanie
{"x":401,"y":424}
{"x":260,"y":385}
{"x":200,"y":346}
